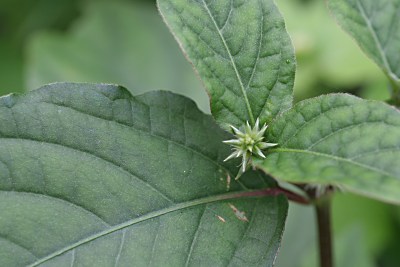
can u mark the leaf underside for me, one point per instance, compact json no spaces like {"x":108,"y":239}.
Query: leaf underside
{"x":375,"y":26}
{"x":242,"y":53}
{"x":92,"y":176}
{"x":338,"y":139}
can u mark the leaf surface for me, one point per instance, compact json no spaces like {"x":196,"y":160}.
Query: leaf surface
{"x":338,"y":139}
{"x":92,"y":176}
{"x":242,"y":53}
{"x":375,"y":25}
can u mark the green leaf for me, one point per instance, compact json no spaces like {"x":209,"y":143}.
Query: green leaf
{"x":375,"y":25}
{"x":241,"y":51}
{"x":92,"y":176}
{"x":341,"y":140}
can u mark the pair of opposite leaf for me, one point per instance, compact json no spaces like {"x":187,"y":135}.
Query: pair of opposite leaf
{"x":248,"y":143}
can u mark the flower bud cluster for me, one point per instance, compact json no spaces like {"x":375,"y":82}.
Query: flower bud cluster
{"x":248,"y":142}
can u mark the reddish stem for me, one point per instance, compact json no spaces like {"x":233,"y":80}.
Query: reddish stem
{"x":323,"y":210}
{"x":274,"y":192}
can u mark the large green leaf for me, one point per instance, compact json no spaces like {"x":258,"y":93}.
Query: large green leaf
{"x":338,"y":139}
{"x":375,"y":25}
{"x":92,"y":176}
{"x":241,"y":51}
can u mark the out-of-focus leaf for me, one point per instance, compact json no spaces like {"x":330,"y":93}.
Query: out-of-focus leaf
{"x":357,"y":238}
{"x":375,"y":25}
{"x":11,"y":64}
{"x":114,"y":42}
{"x":328,"y":60}
{"x":371,"y":216}
{"x":349,"y":250}
{"x":299,"y":236}
{"x":241,"y":51}
{"x":19,"y":19}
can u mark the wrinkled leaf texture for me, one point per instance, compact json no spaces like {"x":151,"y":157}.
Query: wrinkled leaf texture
{"x":338,"y":139}
{"x":242,"y":53}
{"x":93,"y":176}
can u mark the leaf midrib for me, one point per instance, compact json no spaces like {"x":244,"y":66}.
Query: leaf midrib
{"x":314,"y":153}
{"x":151,"y":215}
{"x":128,"y":172}
{"x":382,"y":53}
{"x":246,"y":100}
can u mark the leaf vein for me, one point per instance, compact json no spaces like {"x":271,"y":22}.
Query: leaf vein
{"x":343,"y":129}
{"x":194,"y":239}
{"x":248,"y":106}
{"x":129,"y":172}
{"x":148,"y":216}
{"x":384,"y":150}
{"x":199,"y":153}
{"x":120,"y":248}
{"x":347,"y":160}
{"x":61,"y":200}
{"x":244,"y":235}
{"x":377,"y":41}
{"x":229,"y":15}
{"x":153,"y":249}
{"x":7,"y":239}
{"x":73,"y":258}
{"x":314,"y":118}
{"x":258,"y":49}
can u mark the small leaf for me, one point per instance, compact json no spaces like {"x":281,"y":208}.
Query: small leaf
{"x":242,"y":53}
{"x":375,"y":25}
{"x":92,"y":176}
{"x":341,"y":140}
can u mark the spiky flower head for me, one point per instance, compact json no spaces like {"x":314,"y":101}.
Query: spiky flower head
{"x":247,"y":144}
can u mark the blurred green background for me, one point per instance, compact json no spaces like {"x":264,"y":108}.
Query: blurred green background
{"x":126,"y":42}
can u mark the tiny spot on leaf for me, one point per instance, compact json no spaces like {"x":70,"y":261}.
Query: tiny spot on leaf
{"x":228,"y":182}
{"x":239,"y":214}
{"x":221,"y":219}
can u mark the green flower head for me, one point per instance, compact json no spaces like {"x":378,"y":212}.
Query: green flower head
{"x":247,"y":144}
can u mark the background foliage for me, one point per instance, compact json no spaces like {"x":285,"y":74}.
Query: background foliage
{"x":43,"y":41}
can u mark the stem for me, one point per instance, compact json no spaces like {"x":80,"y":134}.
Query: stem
{"x":294,"y":197}
{"x":272,"y":192}
{"x":323,"y":210}
{"x":395,"y":93}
